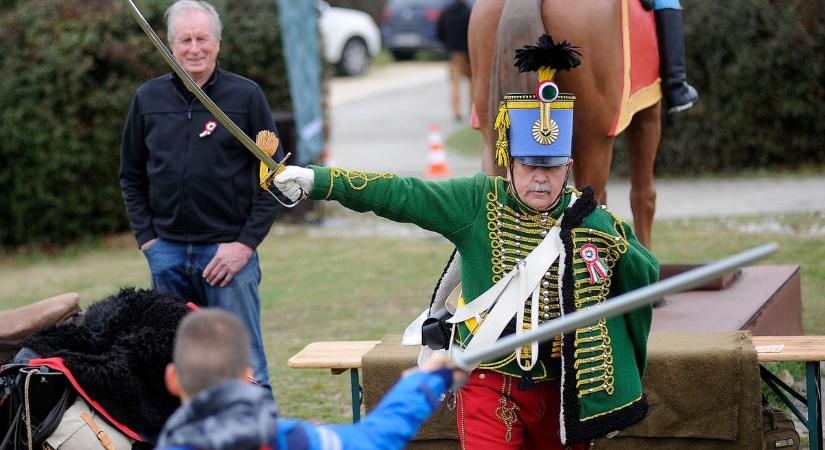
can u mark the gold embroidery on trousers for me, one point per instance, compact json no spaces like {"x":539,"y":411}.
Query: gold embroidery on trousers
{"x":507,"y":410}
{"x":463,"y":434}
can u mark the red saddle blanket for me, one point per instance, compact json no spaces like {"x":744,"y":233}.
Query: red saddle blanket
{"x":641,"y":86}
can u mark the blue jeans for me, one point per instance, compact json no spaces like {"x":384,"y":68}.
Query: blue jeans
{"x":177,"y":267}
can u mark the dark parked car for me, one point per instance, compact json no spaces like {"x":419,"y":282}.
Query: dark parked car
{"x":409,"y":26}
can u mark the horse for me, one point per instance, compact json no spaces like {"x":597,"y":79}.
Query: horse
{"x":611,"y":93}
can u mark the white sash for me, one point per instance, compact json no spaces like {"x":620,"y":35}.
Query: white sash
{"x":508,"y":296}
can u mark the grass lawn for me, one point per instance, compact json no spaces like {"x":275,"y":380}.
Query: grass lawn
{"x":359,"y":278}
{"x":466,"y":142}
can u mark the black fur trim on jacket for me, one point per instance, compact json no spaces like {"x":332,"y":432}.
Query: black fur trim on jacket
{"x":572,"y":219}
{"x":576,"y":431}
{"x":118,"y":354}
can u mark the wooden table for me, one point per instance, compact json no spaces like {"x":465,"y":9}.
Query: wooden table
{"x":339,"y":357}
{"x":811,"y":351}
{"x":765,"y":300}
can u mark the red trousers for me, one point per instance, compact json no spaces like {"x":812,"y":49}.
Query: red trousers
{"x":494,"y":414}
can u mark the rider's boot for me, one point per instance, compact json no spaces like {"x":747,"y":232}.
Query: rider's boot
{"x":679,"y":95}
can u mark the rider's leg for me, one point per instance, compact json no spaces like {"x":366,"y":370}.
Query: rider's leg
{"x":678,"y":93}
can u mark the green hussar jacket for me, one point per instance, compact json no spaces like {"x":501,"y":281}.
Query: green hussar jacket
{"x":600,"y":367}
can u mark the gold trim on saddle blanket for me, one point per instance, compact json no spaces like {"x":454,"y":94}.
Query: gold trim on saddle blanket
{"x":644,"y":97}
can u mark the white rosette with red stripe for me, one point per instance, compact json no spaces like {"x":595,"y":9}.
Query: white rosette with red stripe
{"x":595,"y":266}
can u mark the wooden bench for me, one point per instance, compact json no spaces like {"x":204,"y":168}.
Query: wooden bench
{"x":811,"y":351}
{"x":340,"y":356}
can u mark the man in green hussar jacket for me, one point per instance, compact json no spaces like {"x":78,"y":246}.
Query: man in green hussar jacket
{"x":580,"y":385}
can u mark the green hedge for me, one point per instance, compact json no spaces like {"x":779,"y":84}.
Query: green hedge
{"x":759,"y":67}
{"x":70,"y":70}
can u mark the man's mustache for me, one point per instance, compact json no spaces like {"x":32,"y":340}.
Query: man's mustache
{"x":539,"y":187}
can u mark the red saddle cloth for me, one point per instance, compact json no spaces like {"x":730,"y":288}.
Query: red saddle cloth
{"x":57,"y":364}
{"x":641,"y":86}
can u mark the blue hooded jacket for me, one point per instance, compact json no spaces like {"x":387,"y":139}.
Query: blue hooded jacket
{"x":240,"y":416}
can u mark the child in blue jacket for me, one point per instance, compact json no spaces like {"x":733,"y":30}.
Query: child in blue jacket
{"x":220,"y":410}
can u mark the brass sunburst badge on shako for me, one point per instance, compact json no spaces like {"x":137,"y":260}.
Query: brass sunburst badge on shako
{"x":545,"y":133}
{"x":540,"y":124}
{"x":545,"y":58}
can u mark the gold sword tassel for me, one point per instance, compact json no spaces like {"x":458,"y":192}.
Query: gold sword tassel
{"x":268,"y":142}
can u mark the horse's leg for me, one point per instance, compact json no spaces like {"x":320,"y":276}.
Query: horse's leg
{"x":592,"y":154}
{"x":481,"y":38}
{"x":643,"y":134}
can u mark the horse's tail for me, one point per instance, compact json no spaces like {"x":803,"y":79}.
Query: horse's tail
{"x":520,"y":24}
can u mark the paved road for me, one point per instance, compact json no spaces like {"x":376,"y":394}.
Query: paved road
{"x":380,"y":122}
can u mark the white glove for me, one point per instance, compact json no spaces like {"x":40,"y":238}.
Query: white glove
{"x":295,"y":182}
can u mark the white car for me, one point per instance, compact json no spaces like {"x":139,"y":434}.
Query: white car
{"x":351,"y":38}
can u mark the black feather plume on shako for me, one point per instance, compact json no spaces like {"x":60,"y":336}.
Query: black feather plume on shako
{"x":560,"y":55}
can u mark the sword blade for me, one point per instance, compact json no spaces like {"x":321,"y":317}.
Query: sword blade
{"x":195,"y":89}
{"x":613,"y":307}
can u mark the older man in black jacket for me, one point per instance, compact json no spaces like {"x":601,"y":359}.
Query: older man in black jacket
{"x":190,"y":188}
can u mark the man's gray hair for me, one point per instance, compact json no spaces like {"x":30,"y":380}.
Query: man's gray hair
{"x":189,"y":5}
{"x":211,"y":348}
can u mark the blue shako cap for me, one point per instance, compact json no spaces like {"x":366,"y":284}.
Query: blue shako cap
{"x":536,"y":129}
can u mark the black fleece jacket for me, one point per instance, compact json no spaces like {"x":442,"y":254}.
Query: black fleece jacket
{"x":182,"y":183}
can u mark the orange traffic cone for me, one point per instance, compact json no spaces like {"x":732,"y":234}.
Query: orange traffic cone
{"x":437,"y":167}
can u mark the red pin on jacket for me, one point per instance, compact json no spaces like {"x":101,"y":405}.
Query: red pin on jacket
{"x":208,"y":128}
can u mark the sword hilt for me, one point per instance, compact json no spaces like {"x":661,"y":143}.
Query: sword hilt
{"x":268,"y":142}
{"x":267,"y":180}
